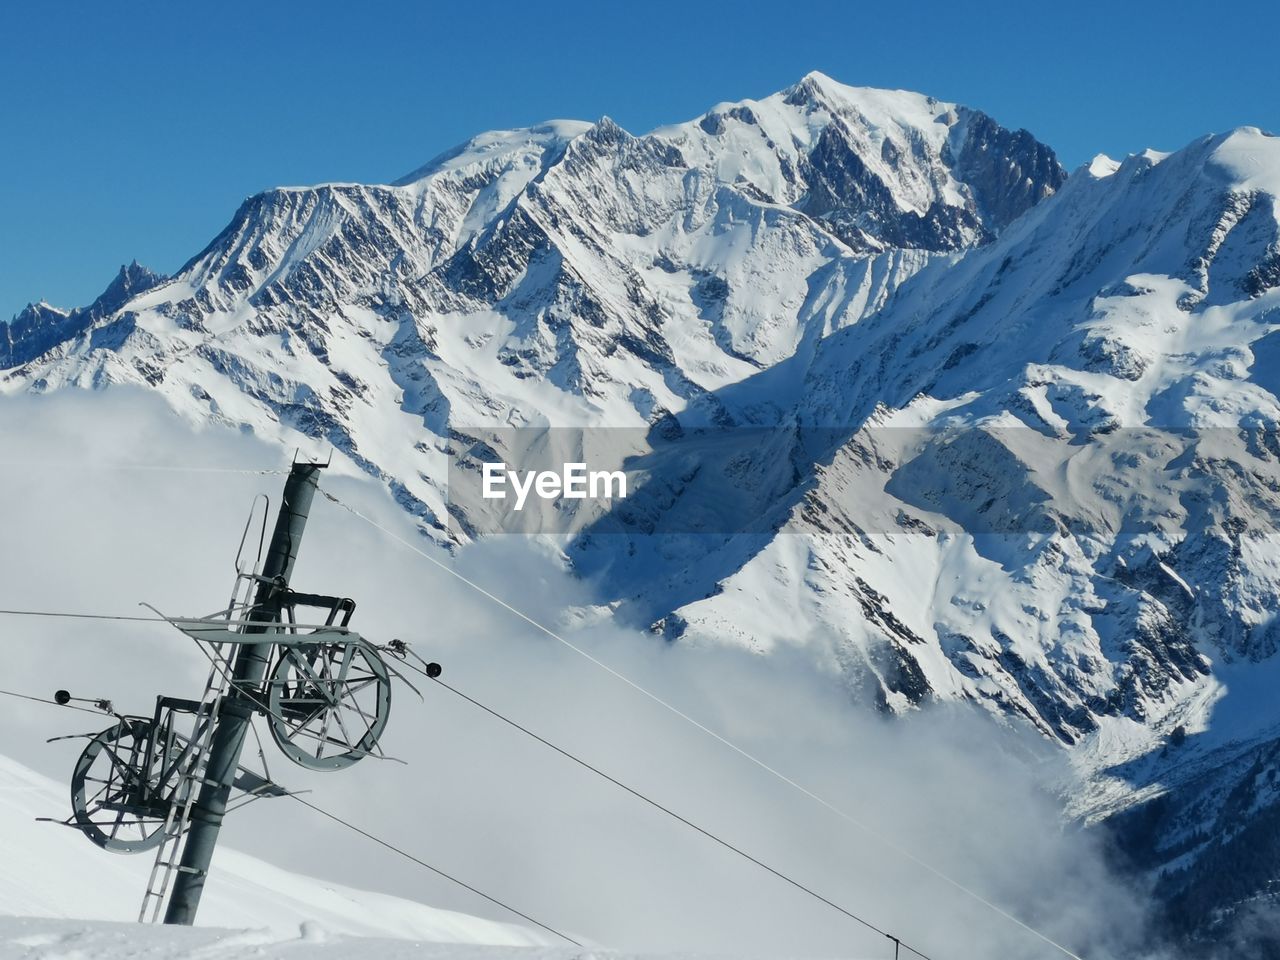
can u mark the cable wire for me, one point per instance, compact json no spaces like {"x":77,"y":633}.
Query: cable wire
{"x":741,"y":751}
{"x":688,"y":823}
{"x":79,"y":616}
{"x":55,"y":703}
{"x":175,"y":621}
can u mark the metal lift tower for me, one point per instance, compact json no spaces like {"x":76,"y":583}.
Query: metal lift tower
{"x":147,"y":783}
{"x":249,"y":670}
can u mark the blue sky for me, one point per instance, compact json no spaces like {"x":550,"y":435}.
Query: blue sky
{"x":134,"y":130}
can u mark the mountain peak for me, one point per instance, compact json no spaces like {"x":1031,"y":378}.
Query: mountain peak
{"x":881,"y":106}
{"x":1249,"y":158}
{"x":606,"y":124}
{"x":132,"y":279}
{"x":40,"y":308}
{"x":814,"y":86}
{"x":500,"y":146}
{"x":40,"y":326}
{"x":1102,"y":166}
{"x":871,"y":170}
{"x":808,"y":88}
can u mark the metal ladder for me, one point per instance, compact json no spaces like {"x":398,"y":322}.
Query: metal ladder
{"x":192,"y":772}
{"x":190,"y":776}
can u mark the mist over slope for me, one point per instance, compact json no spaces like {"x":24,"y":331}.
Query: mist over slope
{"x":474,"y":798}
{"x":904,"y":404}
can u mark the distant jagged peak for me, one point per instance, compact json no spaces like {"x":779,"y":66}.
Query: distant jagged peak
{"x":605,"y":130}
{"x":133,"y":278}
{"x":40,"y":326}
{"x":135,"y":269}
{"x":40,"y":308}
{"x":130,"y":280}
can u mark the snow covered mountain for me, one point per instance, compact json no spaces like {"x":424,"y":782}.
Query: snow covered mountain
{"x":1086,"y":397}
{"x":898,"y":393}
{"x":1043,"y":478}
{"x":41,"y":327}
{"x":569,"y":273}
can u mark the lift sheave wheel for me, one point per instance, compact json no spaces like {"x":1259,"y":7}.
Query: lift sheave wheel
{"x":122,"y":787}
{"x":329,"y":702}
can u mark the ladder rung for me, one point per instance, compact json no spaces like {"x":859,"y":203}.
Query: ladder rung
{"x":190,"y":779}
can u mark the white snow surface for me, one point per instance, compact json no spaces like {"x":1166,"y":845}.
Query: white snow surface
{"x":51,"y":872}
{"x":31,"y":938}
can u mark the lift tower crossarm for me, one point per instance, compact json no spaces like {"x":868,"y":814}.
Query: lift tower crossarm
{"x":250,"y":670}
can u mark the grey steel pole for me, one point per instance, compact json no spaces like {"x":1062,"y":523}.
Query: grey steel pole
{"x":236,"y":714}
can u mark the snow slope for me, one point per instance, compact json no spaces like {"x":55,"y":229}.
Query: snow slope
{"x":51,"y":871}
{"x":26,"y":938}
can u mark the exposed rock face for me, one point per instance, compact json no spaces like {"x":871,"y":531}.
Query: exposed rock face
{"x":568,"y":273}
{"x":1008,"y":172}
{"x":39,"y":327}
